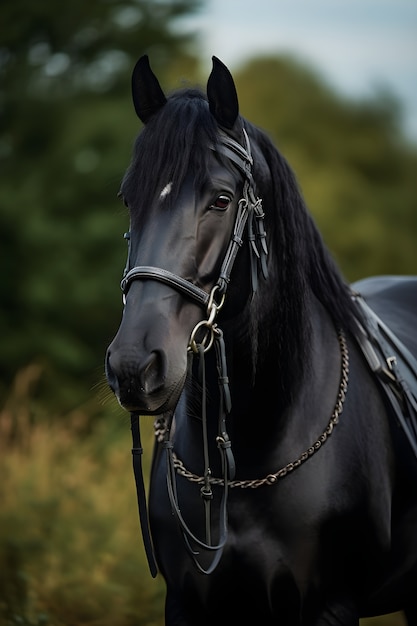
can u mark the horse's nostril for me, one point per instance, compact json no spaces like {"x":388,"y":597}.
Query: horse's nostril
{"x":136,"y":379}
{"x":153,"y":373}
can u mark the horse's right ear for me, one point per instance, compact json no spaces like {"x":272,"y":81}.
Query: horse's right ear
{"x":222,"y":96}
{"x":148,"y":96}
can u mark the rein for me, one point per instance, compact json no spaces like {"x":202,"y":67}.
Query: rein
{"x":227,"y":461}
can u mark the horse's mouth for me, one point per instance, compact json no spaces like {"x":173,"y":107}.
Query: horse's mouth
{"x":135,"y":400}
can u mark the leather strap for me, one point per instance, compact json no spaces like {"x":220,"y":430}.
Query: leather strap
{"x":228,"y":468}
{"x":235,"y":152}
{"x":382,"y":349}
{"x":250,"y":210}
{"x":235,"y":243}
{"x":167,"y":277}
{"x":137,"y":452}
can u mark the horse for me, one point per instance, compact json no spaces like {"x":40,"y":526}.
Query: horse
{"x":282,"y":486}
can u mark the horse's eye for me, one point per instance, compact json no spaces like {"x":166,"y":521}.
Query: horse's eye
{"x":221,"y":203}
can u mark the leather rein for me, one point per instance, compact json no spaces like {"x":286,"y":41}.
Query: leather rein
{"x":204,"y":336}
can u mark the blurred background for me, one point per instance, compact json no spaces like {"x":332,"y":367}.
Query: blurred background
{"x":334,"y":84}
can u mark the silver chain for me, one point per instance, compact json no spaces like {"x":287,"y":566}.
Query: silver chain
{"x":160,"y":430}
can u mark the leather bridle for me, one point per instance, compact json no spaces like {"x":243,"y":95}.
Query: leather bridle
{"x":249,"y":214}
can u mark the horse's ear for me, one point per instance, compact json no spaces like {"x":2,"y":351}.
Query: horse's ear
{"x":148,"y":96}
{"x":222,"y":96}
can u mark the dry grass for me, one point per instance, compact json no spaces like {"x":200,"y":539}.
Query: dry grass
{"x":70,"y":546}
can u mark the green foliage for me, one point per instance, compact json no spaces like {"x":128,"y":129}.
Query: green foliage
{"x":356,"y":170}
{"x":66,"y":130}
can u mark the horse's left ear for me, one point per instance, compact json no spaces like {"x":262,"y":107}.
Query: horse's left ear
{"x":148,"y":96}
{"x":222,"y":96}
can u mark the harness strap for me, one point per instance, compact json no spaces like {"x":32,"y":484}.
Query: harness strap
{"x":228,"y":468}
{"x":223,"y":441}
{"x":235,"y":243}
{"x":250,"y":211}
{"x":137,"y":452}
{"x":234,"y":151}
{"x":206,"y":491}
{"x":381,"y":347}
{"x":167,"y":277}
{"x":227,"y":462}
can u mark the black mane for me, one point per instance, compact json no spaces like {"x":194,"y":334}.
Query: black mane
{"x":303,"y":260}
{"x":300,"y":268}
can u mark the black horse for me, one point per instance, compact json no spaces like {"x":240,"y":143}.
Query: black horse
{"x":280,"y":468}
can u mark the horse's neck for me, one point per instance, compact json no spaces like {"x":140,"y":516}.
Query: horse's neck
{"x":254,"y":428}
{"x":295,"y":420}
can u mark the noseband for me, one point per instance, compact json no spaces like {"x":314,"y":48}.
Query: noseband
{"x":249,"y":213}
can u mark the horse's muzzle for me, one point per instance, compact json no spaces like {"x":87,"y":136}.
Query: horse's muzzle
{"x":143,"y":385}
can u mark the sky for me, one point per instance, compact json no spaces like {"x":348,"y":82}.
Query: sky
{"x":359,"y":46}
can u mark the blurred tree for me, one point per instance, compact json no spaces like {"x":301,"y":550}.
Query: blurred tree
{"x":66,"y":127}
{"x":66,"y":130}
{"x":356,"y":170}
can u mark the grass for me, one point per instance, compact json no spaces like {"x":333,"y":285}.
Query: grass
{"x":70,"y":546}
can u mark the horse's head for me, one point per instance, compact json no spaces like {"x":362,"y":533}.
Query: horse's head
{"x":188,"y":182}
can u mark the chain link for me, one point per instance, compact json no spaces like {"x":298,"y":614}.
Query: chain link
{"x":271,"y":479}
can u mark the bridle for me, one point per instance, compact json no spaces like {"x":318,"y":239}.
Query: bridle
{"x":249,"y":212}
{"x":249,"y":215}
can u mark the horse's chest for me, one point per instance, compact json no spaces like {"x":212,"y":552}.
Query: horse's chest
{"x":264,"y":543}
